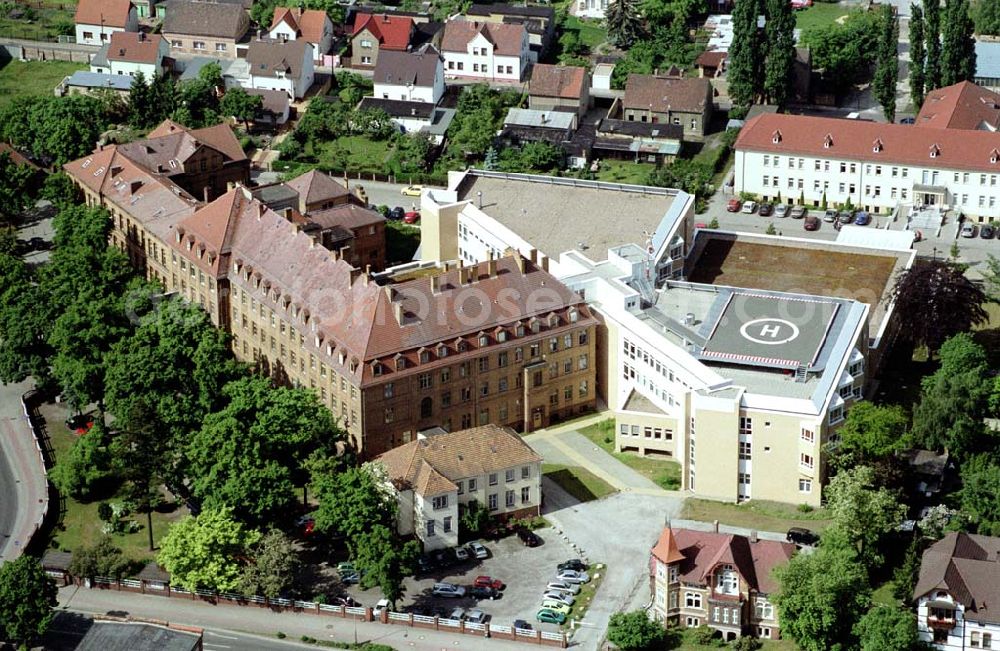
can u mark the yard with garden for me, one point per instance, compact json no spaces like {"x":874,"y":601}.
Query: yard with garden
{"x":32,"y":78}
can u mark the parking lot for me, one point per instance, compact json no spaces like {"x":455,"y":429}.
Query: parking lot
{"x":524,"y":570}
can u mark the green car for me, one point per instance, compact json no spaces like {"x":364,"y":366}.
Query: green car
{"x":345,"y":566}
{"x":550,"y":616}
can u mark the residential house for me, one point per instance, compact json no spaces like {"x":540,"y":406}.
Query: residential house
{"x":958,"y":593}
{"x":281,"y":65}
{"x":559,"y":88}
{"x":413,"y":117}
{"x":410,"y":76}
{"x":711,"y":63}
{"x":275,"y":107}
{"x":487,"y":51}
{"x":129,"y":53}
{"x":875,"y":166}
{"x":591,"y":8}
{"x":723,"y":581}
{"x":206,"y":28}
{"x":669,"y":100}
{"x":531,"y":125}
{"x":86,"y":82}
{"x":646,"y":142}
{"x":960,"y":106}
{"x":375,"y":33}
{"x":97,"y":20}
{"x":988,"y":64}
{"x":357,"y":233}
{"x":436,"y":477}
{"x":540,"y":21}
{"x":310,"y":25}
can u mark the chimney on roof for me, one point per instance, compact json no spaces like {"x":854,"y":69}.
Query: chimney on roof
{"x":534,"y":256}
{"x":230,"y":185}
{"x":335,"y":255}
{"x":204,"y":193}
{"x":715,"y":526}
{"x":519,"y":259}
{"x":491,"y":266}
{"x":545,"y":263}
{"x":753,"y":536}
{"x":368,"y":274}
{"x":435,"y":284}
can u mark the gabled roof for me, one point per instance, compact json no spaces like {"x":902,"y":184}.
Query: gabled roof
{"x":874,"y":142}
{"x":711,"y":58}
{"x":218,"y":136}
{"x":418,"y":69}
{"x":565,"y":82}
{"x":309,"y":23}
{"x":170,"y":144}
{"x":967,"y":567}
{"x":506,"y":39}
{"x":316,"y":187}
{"x":431,"y":466}
{"x":664,"y":94}
{"x":701,"y":552}
{"x":271,"y":58}
{"x":393,"y":32}
{"x":135,"y":47}
{"x":110,"y":13}
{"x":347,"y":215}
{"x":961,"y":106}
{"x":197,"y":18}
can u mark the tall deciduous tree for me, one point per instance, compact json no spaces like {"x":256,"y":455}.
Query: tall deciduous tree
{"x":932,"y":39}
{"x":986,"y":16}
{"x":863,"y":512}
{"x":27,"y":600}
{"x":780,"y":38}
{"x":940,"y":302}
{"x":384,"y":560}
{"x":623,"y":22}
{"x":918,"y":56}
{"x":352,"y":501}
{"x":958,"y":46}
{"x":872,"y":435}
{"x":204,"y":552}
{"x":743,"y":56}
{"x":273,"y":566}
{"x":887,"y":62}
{"x":241,"y":105}
{"x":86,"y":467}
{"x":888,"y":628}
{"x":981,"y":493}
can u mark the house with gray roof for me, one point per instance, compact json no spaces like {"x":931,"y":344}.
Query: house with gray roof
{"x":206,"y":28}
{"x":281,"y":65}
{"x":988,"y":64}
{"x":410,"y":76}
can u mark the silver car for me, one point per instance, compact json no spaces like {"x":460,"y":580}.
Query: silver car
{"x":557,"y":595}
{"x":562,"y":586}
{"x":572,"y":576}
{"x":447,"y":590}
{"x":781,"y":210}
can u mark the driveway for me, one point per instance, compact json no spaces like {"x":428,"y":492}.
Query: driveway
{"x":571,"y":448}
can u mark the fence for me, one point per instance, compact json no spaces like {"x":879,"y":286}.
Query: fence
{"x":364,"y":614}
{"x":35,"y":422}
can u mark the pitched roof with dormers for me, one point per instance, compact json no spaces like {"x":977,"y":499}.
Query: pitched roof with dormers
{"x":565,"y":82}
{"x":316,"y":187}
{"x":309,"y":23}
{"x":700,"y":553}
{"x":393,"y":32}
{"x":135,"y":47}
{"x":507,"y":39}
{"x":665,"y":94}
{"x":109,"y":13}
{"x":219,"y":137}
{"x":967,"y":567}
{"x":961,"y":106}
{"x":431,"y":466}
{"x":875,"y":142}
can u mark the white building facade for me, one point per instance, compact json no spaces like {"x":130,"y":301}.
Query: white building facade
{"x":491,"y":52}
{"x":295,"y":81}
{"x":591,"y":8}
{"x":100,"y":33}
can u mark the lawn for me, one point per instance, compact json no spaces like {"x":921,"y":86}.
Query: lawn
{"x":355,"y":153}
{"x":587,"y":592}
{"x":578,"y":482}
{"x":39,"y":23}
{"x":757,"y":514}
{"x":590,"y":32}
{"x":401,"y":242}
{"x":819,"y":15}
{"x":620,"y":171}
{"x":31,"y":78}
{"x":664,"y":473}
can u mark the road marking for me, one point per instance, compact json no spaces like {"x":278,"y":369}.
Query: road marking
{"x":228,"y":637}
{"x":208,"y":645}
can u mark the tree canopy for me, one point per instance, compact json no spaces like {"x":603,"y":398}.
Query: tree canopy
{"x":241,"y":105}
{"x":272,"y":568}
{"x":622,"y":20}
{"x":918,"y":55}
{"x":863,"y":512}
{"x":887,"y":62}
{"x":980,"y":494}
{"x":635,"y":631}
{"x":872,"y":435}
{"x":958,"y":46}
{"x":843,"y":50}
{"x":939,"y":301}
{"x":888,"y":628}
{"x":352,"y":501}
{"x":103,"y":558}
{"x":986,"y":16}
{"x":384,"y":560}
{"x":27,"y":600}
{"x":205,"y":552}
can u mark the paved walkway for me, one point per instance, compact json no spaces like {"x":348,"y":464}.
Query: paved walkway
{"x":22,"y":475}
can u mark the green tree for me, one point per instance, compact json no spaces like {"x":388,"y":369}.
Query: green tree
{"x":918,"y":55}
{"x":103,"y":558}
{"x":991,"y":278}
{"x":822,"y":595}
{"x":623,"y":22}
{"x":635,"y":631}
{"x":241,"y":105}
{"x":888,"y":628}
{"x":746,"y":48}
{"x":18,"y":186}
{"x":59,"y":129}
{"x":986,"y":16}
{"x":86,"y":468}
{"x":273,"y":566}
{"x":887,"y":62}
{"x":353,"y":501}
{"x":411,"y":154}
{"x":780,"y":38}
{"x":384,"y":560}
{"x":27,"y":600}
{"x":60,"y":189}
{"x":202,"y":553}
{"x":958,"y":46}
{"x":863,"y":512}
{"x":940,"y":300}
{"x":871,"y":436}
{"x":980,"y":493}
{"x":474,"y":517}
{"x":163,"y":96}
{"x":138,"y":101}
{"x":932,"y":40}
{"x":904,"y":578}
{"x":24,"y":322}
{"x":531,"y":157}
{"x":843,"y":51}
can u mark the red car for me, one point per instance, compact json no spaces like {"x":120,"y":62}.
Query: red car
{"x":488,"y":582}
{"x":734,"y":205}
{"x":411,"y":217}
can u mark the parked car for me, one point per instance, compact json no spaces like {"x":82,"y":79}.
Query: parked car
{"x":563,"y":586}
{"x":411,"y":217}
{"x":968,"y":229}
{"x":483,"y":592}
{"x":556,"y":606}
{"x":749,"y":207}
{"x":798,"y":212}
{"x":862,"y":218}
{"x":572,"y":576}
{"x":811,"y":223}
{"x":457,"y":613}
{"x":442,"y":558}
{"x":550,"y":616}
{"x":572,"y":564}
{"x":987,"y":231}
{"x":830,"y":216}
{"x":447,"y":590}
{"x":529,"y":538}
{"x":781,"y":210}
{"x":523,"y":625}
{"x":476,"y":616}
{"x":345,"y":566}
{"x":488,"y":582}
{"x":801,"y":536}
{"x":478,"y":550}
{"x":380,"y":605}
{"x":845,"y":216}
{"x":350,"y":578}
{"x":347,"y":601}
{"x":461,"y":554}
{"x":397,"y":214}
{"x":908,"y":121}
{"x":424,"y":564}
{"x":563,"y":597}
{"x":412,"y":190}
{"x":733,"y":205}
{"x":765,"y":210}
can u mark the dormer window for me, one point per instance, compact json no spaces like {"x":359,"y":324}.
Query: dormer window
{"x":501,"y":335}
{"x":520,"y":330}
{"x":776,"y":137}
{"x":400,"y":362}
{"x":484,"y":340}
{"x":442,"y":351}
{"x":935,"y":151}
{"x":461,"y":346}
{"x":376,"y":369}
{"x":726,"y":580}
{"x":994,"y":156}
{"x":828,"y":141}
{"x":425,"y":356}
{"x":553,"y":320}
{"x":877,"y":146}
{"x":574,"y":315}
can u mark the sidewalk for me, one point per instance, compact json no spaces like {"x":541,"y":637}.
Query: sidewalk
{"x":22,"y":506}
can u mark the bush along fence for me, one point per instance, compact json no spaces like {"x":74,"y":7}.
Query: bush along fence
{"x":362,"y":614}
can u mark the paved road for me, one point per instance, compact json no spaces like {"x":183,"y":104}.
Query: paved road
{"x":22,"y":476}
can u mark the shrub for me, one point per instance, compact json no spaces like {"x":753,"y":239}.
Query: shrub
{"x":805,"y":508}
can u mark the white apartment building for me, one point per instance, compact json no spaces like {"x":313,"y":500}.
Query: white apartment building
{"x":97,"y":20}
{"x":487,"y":51}
{"x":875,"y":166}
{"x":129,"y":53}
{"x":437,"y":475}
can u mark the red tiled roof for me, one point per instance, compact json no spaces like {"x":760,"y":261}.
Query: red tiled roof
{"x":315,"y":186}
{"x":565,"y":82}
{"x":711,"y":58}
{"x":966,"y":566}
{"x":218,"y":136}
{"x":665,"y":549}
{"x":392,"y":32}
{"x":961,"y":106}
{"x":110,"y":13}
{"x":309,"y":23}
{"x":136,"y":47}
{"x":664,"y":94}
{"x":875,"y":142}
{"x":347,"y":216}
{"x":506,"y":38}
{"x":703,"y":551}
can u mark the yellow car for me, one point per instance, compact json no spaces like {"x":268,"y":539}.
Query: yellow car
{"x":412,"y":190}
{"x":555,"y":606}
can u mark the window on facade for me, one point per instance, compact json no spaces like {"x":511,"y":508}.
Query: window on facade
{"x":745,"y":450}
{"x":220,"y":47}
{"x":426,"y":408}
{"x":440,"y":502}
{"x":806,"y":460}
{"x":389,"y":414}
{"x":199,"y":45}
{"x":447,"y":524}
{"x":726,"y":580}
{"x":583,"y":362}
{"x":430,"y":528}
{"x":805,"y":485}
{"x":692,"y":600}
{"x":425,"y":381}
{"x":808,"y":436}
{"x":509,"y":495}
{"x":492,"y":502}
{"x":472,"y":485}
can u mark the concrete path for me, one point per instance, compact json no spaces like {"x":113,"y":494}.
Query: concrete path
{"x":574,"y":449}
{"x":22,"y":475}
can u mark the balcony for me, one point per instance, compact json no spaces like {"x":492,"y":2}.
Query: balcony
{"x":941,"y":618}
